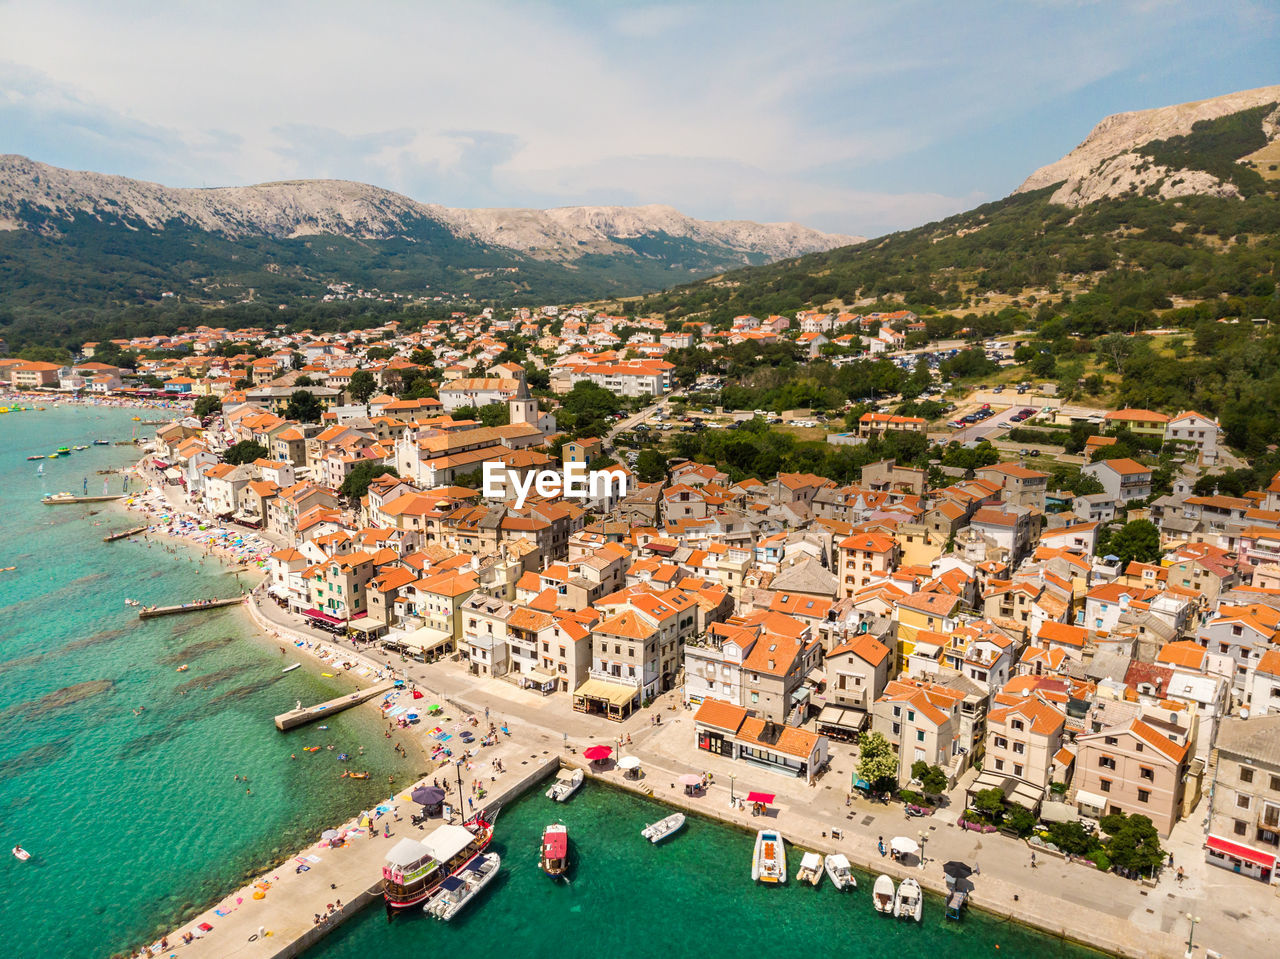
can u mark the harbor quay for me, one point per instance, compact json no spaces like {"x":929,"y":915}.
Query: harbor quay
{"x":1118,"y":916}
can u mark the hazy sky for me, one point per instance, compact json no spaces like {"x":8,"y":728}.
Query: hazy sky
{"x":856,"y":117}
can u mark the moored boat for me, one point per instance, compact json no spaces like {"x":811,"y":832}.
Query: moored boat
{"x":568,"y":782}
{"x":769,"y":861}
{"x":840,"y":872}
{"x":882,"y":894}
{"x":555,"y":850}
{"x":810,"y":870}
{"x":457,"y":891}
{"x":909,"y":901}
{"x":660,"y":830}
{"x":21,"y":853}
{"x":415,"y":868}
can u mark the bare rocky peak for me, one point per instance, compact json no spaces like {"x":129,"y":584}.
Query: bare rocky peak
{"x":1107,"y":163}
{"x":572,"y":231}
{"x":308,"y":207}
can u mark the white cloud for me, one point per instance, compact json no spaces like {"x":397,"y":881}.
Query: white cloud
{"x":753,"y":111}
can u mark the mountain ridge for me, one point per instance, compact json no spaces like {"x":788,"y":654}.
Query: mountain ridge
{"x":1110,"y":162}
{"x":289,"y":209}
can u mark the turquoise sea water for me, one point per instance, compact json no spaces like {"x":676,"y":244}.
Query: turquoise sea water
{"x":689,"y":898}
{"x":135,"y":820}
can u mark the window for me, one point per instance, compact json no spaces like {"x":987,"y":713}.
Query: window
{"x":1275,"y":784}
{"x":919,"y":735}
{"x":1246,"y":774}
{"x":1001,"y":742}
{"x":897,"y":710}
{"x":1019,"y":748}
{"x":1104,"y":785}
{"x":1144,"y":795}
{"x":1017,"y":724}
{"x":1147,"y":773}
{"x":1106,"y":762}
{"x":1242,"y":801}
{"x":755,"y":698}
{"x":911,"y":715}
{"x":896,"y":729}
{"x":1017,"y":769}
{"x":999,"y":765}
{"x":1110,"y":740}
{"x":1240,"y":828}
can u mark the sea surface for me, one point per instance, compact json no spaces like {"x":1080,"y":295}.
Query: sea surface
{"x":690,"y":897}
{"x":134,"y":821}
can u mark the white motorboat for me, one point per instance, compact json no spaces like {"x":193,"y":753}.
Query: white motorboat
{"x":568,"y":781}
{"x":882,"y":894}
{"x":909,"y":901}
{"x":769,"y":861}
{"x":660,"y":830}
{"x":459,"y":889}
{"x":810,"y":870}
{"x":840,"y":872}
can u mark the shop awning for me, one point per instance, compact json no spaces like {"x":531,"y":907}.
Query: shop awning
{"x":324,"y":617}
{"x":425,"y":639}
{"x":366,"y":625}
{"x":539,"y":676}
{"x":838,"y":717}
{"x":1093,"y":800}
{"x":1264,"y":859}
{"x":615,"y":693}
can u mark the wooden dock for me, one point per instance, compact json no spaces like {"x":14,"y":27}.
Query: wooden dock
{"x":56,"y":500}
{"x":126,"y":534}
{"x":196,"y":607}
{"x":309,"y":714}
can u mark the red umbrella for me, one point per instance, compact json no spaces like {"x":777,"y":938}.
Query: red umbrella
{"x":765,"y":798}
{"x":597,"y":753}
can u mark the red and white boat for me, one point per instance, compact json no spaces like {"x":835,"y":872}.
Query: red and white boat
{"x":555,"y":850}
{"x":415,"y":868}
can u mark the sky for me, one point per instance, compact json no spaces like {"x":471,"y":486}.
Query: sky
{"x":856,"y":117}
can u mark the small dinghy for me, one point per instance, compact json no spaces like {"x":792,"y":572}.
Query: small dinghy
{"x":840,"y":872}
{"x":909,"y":903}
{"x":769,"y":861}
{"x":660,"y":830}
{"x":882,"y":894}
{"x":810,"y":870}
{"x":567,"y":783}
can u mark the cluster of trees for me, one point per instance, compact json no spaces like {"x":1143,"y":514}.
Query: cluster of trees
{"x":585,"y":409}
{"x":756,"y":450}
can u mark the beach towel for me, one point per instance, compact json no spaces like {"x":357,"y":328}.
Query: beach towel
{"x":313,"y":858}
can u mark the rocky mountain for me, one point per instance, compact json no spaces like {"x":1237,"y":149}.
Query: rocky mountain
{"x":39,"y":197}
{"x":1122,"y":155}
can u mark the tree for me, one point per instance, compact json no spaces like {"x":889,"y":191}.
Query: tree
{"x":1138,"y":541}
{"x":207,"y":406}
{"x":304,"y":380}
{"x":1134,"y":843}
{"x":932,"y":779}
{"x":357,"y":482}
{"x":362,"y":386}
{"x":303,"y":407}
{"x":651,"y":466}
{"x":1020,"y":819}
{"x":494,"y":414}
{"x":876,"y":762}
{"x":246,"y":451}
{"x":990,"y":802}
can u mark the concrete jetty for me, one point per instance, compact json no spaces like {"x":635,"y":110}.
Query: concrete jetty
{"x":125,"y":534}
{"x":308,"y":714}
{"x":62,"y":499}
{"x":202,"y":604}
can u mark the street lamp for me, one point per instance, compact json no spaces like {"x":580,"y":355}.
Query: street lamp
{"x":923,"y":839}
{"x":1191,"y":935}
{"x":732,"y":801}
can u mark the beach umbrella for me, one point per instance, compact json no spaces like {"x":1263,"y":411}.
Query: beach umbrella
{"x":765,"y":798}
{"x":690,"y":779}
{"x":427,"y":795}
{"x":434,"y":708}
{"x":904,"y":846}
{"x":329,"y":834}
{"x":957,"y":870}
{"x":598,"y":753}
{"x":629,"y":762}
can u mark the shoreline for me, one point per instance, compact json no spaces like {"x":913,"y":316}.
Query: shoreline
{"x":10,"y":396}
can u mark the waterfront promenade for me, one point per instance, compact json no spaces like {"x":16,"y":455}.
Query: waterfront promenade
{"x":1075,"y":901}
{"x":1114,"y":914}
